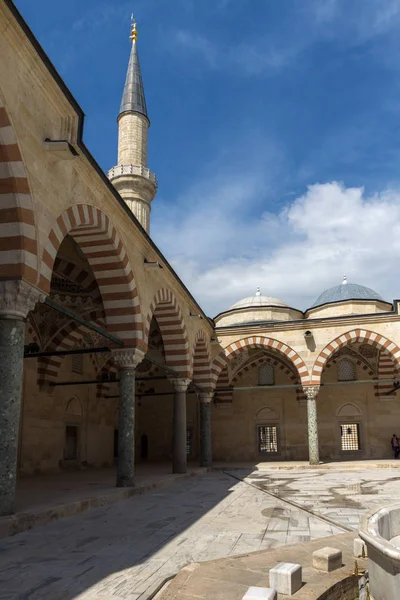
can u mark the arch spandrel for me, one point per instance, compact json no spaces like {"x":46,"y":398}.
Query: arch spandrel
{"x":356,"y":335}
{"x":102,"y":246}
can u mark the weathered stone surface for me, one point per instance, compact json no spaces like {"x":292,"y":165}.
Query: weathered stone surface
{"x":327,"y":559}
{"x":126,"y":429}
{"x":286,"y":578}
{"x":179,"y":460}
{"x":260,"y":593}
{"x":205,"y":433}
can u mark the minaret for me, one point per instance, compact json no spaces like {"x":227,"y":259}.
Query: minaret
{"x":134,"y":181}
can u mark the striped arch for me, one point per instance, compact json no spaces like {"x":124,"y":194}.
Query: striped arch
{"x":360,"y":362}
{"x":68,"y":337}
{"x":165,"y":309}
{"x":357,"y":335}
{"x":103,"y":248}
{"x":201,"y":362}
{"x":387,"y":369}
{"x":259,"y":342}
{"x":76,"y":274}
{"x":18,"y":245}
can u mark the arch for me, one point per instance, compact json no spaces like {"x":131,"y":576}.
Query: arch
{"x":388,"y":369}
{"x":357,"y":335}
{"x":201,"y":362}
{"x":349,"y":410}
{"x":267,"y":414}
{"x":74,"y":407}
{"x":103,"y":248}
{"x":18,"y":244}
{"x":166,"y":310}
{"x":346,"y":369}
{"x":259,"y":342}
{"x":262,"y":360}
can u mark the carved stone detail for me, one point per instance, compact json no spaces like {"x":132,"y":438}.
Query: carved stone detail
{"x":127,"y":358}
{"x":17,"y":298}
{"x":206,"y":397}
{"x":180,"y":384}
{"x":311,"y":391}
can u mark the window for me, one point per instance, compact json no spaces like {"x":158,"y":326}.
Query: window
{"x":346,"y":370}
{"x":71,"y":442}
{"x":350,"y":435}
{"x":267,"y":439}
{"x":77,"y":362}
{"x":266,"y":375}
{"x":189,"y":439}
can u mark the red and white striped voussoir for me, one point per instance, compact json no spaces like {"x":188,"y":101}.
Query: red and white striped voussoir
{"x":18,"y":245}
{"x":387,"y":369}
{"x":276,"y":362}
{"x":103,"y":248}
{"x":201,"y":362}
{"x":166,"y":310}
{"x":263,"y":342}
{"x":357,"y":335}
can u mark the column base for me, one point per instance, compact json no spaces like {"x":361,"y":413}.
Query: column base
{"x":125,"y":482}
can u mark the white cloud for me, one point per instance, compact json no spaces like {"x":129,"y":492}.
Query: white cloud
{"x":293,"y":255}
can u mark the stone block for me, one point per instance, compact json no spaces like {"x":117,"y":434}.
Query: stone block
{"x":260,"y":593}
{"x":327,"y":559}
{"x":286,"y":578}
{"x":358,"y":547}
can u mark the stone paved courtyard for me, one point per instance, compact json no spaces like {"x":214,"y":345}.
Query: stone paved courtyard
{"x":127,"y":549}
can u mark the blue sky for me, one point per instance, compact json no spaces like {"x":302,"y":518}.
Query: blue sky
{"x":275,"y":133}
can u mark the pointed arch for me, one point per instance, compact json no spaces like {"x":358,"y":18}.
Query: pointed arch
{"x":201,"y":362}
{"x":350,"y":337}
{"x":103,"y":248}
{"x":167,"y":312}
{"x":18,"y":243}
{"x":259,"y":342}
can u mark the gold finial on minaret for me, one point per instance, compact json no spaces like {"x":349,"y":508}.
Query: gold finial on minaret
{"x":134,"y":33}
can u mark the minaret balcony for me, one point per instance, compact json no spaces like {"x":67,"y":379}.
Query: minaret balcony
{"x":136,"y":170}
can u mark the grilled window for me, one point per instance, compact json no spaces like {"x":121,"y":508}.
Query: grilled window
{"x":350,"y":435}
{"x":77,"y":363}
{"x":346,"y":370}
{"x":266,"y":375}
{"x":267,"y":439}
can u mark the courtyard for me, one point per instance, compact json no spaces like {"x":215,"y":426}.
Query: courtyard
{"x":129,"y":548}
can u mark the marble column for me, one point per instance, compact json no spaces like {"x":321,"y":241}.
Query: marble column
{"x":127,"y":360}
{"x":17,"y":298}
{"x":311,"y":391}
{"x":205,"y":429}
{"x":179,"y":458}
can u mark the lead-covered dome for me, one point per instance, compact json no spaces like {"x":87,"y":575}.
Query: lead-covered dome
{"x":257,"y":300}
{"x":346,"y":291}
{"x":256,"y":309}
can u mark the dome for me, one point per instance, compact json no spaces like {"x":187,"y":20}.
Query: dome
{"x":346,"y":291}
{"x":257,"y":300}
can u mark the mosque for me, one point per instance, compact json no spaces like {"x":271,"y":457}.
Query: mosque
{"x":105,"y":356}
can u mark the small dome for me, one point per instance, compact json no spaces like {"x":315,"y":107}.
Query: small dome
{"x":346,"y":291}
{"x":257,"y":300}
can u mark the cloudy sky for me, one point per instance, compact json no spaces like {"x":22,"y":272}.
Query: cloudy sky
{"x":275,"y":133}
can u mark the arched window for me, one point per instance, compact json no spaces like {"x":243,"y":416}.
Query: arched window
{"x":346,"y":370}
{"x":266,"y":375}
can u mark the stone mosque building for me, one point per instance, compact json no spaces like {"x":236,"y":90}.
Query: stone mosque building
{"x":105,"y":356}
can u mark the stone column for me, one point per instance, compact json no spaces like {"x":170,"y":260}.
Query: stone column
{"x":205,"y":429}
{"x":17,"y":298}
{"x":179,"y":425}
{"x":311,"y":391}
{"x":127,"y":359}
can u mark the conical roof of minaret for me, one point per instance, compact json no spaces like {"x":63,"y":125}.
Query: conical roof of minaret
{"x":133,"y":99}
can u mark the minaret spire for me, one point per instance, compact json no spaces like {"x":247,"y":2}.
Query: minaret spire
{"x":134,"y":181}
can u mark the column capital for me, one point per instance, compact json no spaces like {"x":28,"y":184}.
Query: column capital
{"x":127,"y":358}
{"x":311,"y":391}
{"x":17,"y":298}
{"x":180,"y":384}
{"x":206,"y":397}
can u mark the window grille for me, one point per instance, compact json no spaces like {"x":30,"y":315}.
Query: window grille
{"x":350,"y":435}
{"x":267,"y":439}
{"x":189,"y":438}
{"x":77,"y":363}
{"x":266,"y":375}
{"x":346,"y":370}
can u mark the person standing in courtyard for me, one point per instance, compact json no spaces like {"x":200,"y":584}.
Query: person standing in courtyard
{"x":395,"y":446}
